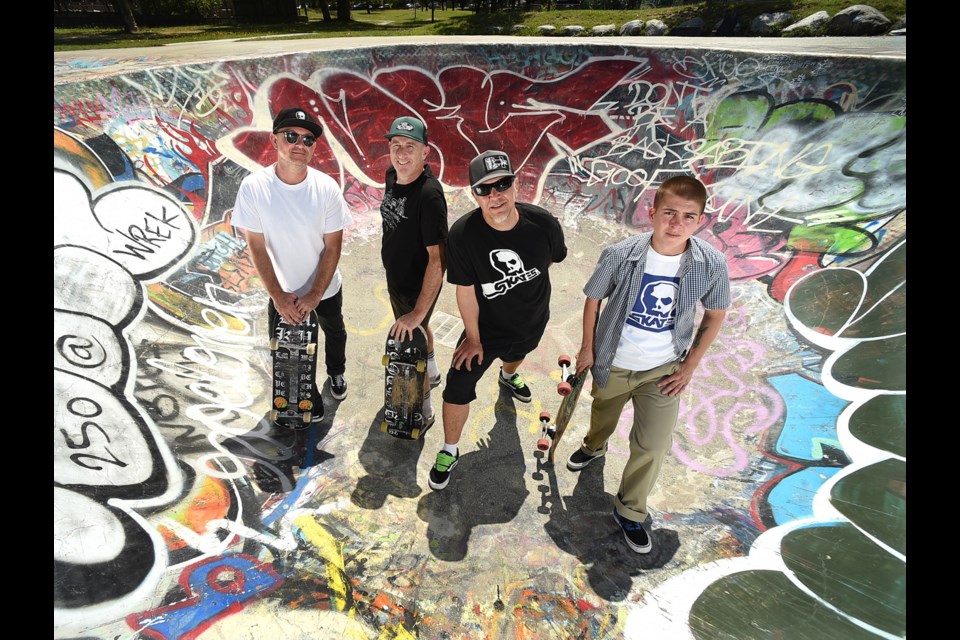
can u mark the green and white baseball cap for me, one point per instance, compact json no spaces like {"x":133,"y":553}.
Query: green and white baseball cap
{"x":408,"y":127}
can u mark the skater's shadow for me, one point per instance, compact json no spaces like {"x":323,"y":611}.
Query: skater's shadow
{"x":391,"y":466}
{"x":276,"y":456}
{"x":582,"y":525}
{"x":486,"y":487}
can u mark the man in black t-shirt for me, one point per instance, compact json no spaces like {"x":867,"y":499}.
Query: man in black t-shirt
{"x":414,"y":213}
{"x":498,"y":257}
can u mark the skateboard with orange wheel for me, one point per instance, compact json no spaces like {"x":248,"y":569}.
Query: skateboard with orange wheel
{"x":569,"y":388}
{"x":293,"y":349}
{"x":547,"y":431}
{"x":406,"y":366}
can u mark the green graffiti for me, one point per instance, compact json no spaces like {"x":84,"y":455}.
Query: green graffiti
{"x":843,"y":567}
{"x":875,"y":498}
{"x":885,"y":360}
{"x":881,"y":422}
{"x":764,"y":605}
{"x":829,"y":238}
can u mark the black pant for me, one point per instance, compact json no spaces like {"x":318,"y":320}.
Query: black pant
{"x":330,"y":318}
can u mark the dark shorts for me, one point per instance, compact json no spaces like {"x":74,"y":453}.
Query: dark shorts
{"x":403,"y":304}
{"x":330,"y":316}
{"x":461,"y":385}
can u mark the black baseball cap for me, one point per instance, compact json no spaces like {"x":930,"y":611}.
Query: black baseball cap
{"x":297,"y":117}
{"x":489,"y":165}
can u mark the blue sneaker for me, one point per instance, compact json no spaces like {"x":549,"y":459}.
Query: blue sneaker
{"x":634,"y":533}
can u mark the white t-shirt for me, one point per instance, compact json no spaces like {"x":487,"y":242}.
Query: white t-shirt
{"x":293,"y":219}
{"x":647,"y":337}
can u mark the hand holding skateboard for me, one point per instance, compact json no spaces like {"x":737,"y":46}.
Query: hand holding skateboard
{"x":569,"y":389}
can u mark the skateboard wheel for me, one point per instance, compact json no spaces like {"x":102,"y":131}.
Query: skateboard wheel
{"x":274,"y":343}
{"x":544,"y":415}
{"x":306,"y":417}
{"x":543,"y":444}
{"x":385,"y":360}
{"x":564,"y":388}
{"x":280,"y":402}
{"x":383,"y":426}
{"x":311,"y":348}
{"x":421,"y":366}
{"x":273,"y":415}
{"x":564,"y":361}
{"x":415,"y":434}
{"x":305,"y":405}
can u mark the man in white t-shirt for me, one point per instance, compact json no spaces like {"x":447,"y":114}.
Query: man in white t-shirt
{"x":642,"y":347}
{"x":293,"y":218}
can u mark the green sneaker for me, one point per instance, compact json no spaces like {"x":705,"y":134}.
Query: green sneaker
{"x":440,"y":473}
{"x":517,"y":387}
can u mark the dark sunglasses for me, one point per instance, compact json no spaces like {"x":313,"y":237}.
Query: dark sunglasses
{"x":500,"y":185}
{"x":292,"y":137}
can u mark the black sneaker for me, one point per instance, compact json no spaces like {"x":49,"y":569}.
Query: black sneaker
{"x":435,"y":381}
{"x":338,"y":386}
{"x":578,"y":459}
{"x":440,"y":472}
{"x":316,"y":412}
{"x":518,"y":388}
{"x":634,"y":533}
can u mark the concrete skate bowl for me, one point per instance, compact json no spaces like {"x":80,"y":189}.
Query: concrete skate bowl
{"x":180,"y":512}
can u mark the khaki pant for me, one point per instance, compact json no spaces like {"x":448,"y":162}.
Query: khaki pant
{"x":654,"y":418}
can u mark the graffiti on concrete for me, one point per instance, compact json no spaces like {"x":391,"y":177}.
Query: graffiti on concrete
{"x":110,"y":463}
{"x":180,"y":511}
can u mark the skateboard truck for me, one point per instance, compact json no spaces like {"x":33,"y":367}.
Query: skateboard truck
{"x":564,"y":388}
{"x":547,"y":432}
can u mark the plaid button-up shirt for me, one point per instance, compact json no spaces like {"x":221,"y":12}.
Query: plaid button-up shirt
{"x":618,"y":275}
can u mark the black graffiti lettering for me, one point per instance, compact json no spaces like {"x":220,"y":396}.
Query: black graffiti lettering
{"x":74,"y":407}
{"x":145,"y":238}
{"x":165,"y":406}
{"x":80,"y":351}
{"x":188,"y":438}
{"x":164,"y":219}
{"x":76,"y":457}
{"x":153,"y":346}
{"x":85,"y":440}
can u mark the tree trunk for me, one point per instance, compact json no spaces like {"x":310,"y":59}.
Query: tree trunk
{"x":325,"y":10}
{"x":125,"y":9}
{"x":343,"y":10}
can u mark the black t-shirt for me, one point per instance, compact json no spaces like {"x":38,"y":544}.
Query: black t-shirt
{"x":414,"y":218}
{"x":509,"y":271}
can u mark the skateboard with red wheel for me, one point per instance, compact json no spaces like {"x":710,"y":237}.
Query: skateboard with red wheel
{"x":293,"y":349}
{"x":406,"y":366}
{"x":569,"y":388}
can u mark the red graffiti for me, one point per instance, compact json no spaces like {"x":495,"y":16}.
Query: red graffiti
{"x":467,"y":111}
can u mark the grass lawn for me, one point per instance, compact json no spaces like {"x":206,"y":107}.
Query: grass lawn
{"x":409,"y":22}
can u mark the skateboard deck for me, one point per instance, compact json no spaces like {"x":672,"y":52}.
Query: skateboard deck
{"x":570,"y":386}
{"x":567,"y":407}
{"x":293,"y":349}
{"x":406,"y":366}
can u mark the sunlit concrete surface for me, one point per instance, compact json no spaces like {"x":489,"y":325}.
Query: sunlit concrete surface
{"x":180,"y":512}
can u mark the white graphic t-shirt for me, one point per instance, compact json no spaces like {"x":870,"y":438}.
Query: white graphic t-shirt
{"x":646,"y":340}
